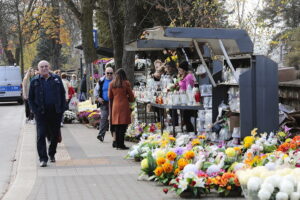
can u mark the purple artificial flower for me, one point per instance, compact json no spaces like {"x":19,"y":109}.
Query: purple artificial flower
{"x":189,"y":146}
{"x":286,"y":129}
{"x":179,"y":150}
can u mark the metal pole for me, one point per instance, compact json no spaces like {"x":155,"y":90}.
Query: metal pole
{"x":203,"y":62}
{"x":81,"y":70}
{"x":228,"y":60}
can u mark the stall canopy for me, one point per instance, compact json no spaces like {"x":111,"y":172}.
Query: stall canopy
{"x":103,"y":51}
{"x":235,"y":41}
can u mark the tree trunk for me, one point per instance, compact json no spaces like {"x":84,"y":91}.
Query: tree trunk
{"x":86,"y":24}
{"x":56,"y":46}
{"x":130,"y":33}
{"x":10,"y":59}
{"x":116,"y":29}
{"x":21,"y":56}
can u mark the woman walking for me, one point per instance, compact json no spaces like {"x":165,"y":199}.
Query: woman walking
{"x":26,"y":84}
{"x":120,"y":95}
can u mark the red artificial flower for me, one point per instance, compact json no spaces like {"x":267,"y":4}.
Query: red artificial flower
{"x":165,"y":190}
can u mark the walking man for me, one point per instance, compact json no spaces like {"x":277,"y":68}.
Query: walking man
{"x":47,"y":101}
{"x":101,"y":94}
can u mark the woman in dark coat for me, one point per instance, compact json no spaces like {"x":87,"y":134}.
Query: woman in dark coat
{"x":120,"y":95}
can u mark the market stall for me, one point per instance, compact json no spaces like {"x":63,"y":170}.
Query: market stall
{"x":242,"y":84}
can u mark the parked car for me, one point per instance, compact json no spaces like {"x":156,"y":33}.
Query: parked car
{"x":10,"y":84}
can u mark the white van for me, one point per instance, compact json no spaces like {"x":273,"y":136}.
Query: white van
{"x":10,"y":84}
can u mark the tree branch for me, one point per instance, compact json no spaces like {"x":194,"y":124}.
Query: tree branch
{"x":71,"y":5}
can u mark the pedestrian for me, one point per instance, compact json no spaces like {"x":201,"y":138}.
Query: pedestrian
{"x":186,"y":79}
{"x":120,"y":95}
{"x":74,"y":82}
{"x":25,"y":87}
{"x":101,"y":95}
{"x":83,"y":89}
{"x":47,"y":101}
{"x":67,"y":85}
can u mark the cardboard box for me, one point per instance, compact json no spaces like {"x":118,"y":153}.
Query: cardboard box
{"x":234,"y":121}
{"x":286,"y":74}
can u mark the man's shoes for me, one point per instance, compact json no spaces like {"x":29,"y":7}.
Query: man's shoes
{"x":43,"y":164}
{"x":100,"y":137}
{"x":52,"y":159}
{"x":61,"y":124}
{"x":114,"y":144}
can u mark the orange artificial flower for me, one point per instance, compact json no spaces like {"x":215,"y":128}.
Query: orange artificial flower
{"x":160,"y":161}
{"x":176,"y":172}
{"x":228,"y":187}
{"x":158,"y":171}
{"x":168,"y":168}
{"x":182,"y":162}
{"x":172,"y":138}
{"x":171,"y":155}
{"x":189,"y":155}
{"x":201,"y":137}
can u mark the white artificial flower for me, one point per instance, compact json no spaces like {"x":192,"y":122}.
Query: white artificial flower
{"x":268,"y":187}
{"x":190,"y":168}
{"x":298,"y":187}
{"x":282,"y":196}
{"x":274,"y":180}
{"x":286,"y":187}
{"x":183,"y":184}
{"x":291,"y":178}
{"x":295,"y":196}
{"x":254,"y":183}
{"x":264,"y":194}
{"x":200,"y":182}
{"x":239,"y":166}
{"x":213,"y":169}
{"x":243,"y":176}
{"x":133,"y":153}
{"x":270,"y":166}
{"x":189,"y":174}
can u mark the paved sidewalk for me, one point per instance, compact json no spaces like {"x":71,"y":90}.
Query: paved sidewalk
{"x":85,"y":169}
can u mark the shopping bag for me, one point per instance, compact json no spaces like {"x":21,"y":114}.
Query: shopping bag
{"x":73,"y":103}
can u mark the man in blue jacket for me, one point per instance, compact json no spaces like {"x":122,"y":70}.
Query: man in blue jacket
{"x":101,"y":95}
{"x":47,"y":101}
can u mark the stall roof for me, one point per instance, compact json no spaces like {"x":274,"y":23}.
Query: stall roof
{"x":103,"y":51}
{"x":236,"y":41}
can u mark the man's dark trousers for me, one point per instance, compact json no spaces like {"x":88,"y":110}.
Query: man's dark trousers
{"x":48,"y":126}
{"x":104,"y":123}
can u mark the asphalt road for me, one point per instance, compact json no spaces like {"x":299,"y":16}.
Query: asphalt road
{"x":12,"y":117}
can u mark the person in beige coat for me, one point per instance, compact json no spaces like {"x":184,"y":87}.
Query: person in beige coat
{"x":120,"y":95}
{"x":25,"y":92}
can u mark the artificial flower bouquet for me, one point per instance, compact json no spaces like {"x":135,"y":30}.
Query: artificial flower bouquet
{"x":69,"y":116}
{"x":265,"y":184}
{"x":94,"y":118}
{"x":83,"y":116}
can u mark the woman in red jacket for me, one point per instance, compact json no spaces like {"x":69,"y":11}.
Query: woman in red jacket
{"x":120,"y":95}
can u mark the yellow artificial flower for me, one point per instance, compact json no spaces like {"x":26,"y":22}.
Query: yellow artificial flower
{"x":195,"y":142}
{"x":172,"y":138}
{"x":230,"y":152}
{"x":281,"y":134}
{"x":171,"y":155}
{"x":158,"y":171}
{"x":254,"y":132}
{"x":248,"y":141}
{"x":160,"y":153}
{"x":144,"y":163}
